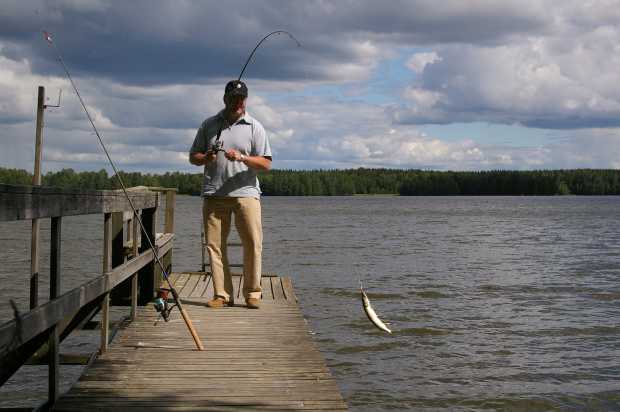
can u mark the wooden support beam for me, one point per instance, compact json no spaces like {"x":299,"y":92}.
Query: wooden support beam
{"x":38,"y":143}
{"x":105,"y":323}
{"x":34,"y":263}
{"x":147,"y":282}
{"x":121,"y":295}
{"x":107,"y":266}
{"x":54,"y":343}
{"x":171,"y":196}
{"x":36,"y":181}
{"x":135,"y":232}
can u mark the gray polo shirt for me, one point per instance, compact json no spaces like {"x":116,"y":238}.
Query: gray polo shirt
{"x":225,"y":177}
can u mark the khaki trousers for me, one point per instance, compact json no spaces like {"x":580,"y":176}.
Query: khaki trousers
{"x":217,"y":213}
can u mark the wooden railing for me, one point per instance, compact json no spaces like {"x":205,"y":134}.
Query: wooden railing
{"x":129,"y":272}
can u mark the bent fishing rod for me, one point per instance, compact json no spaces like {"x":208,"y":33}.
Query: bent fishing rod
{"x":261,"y":42}
{"x":175,"y":294}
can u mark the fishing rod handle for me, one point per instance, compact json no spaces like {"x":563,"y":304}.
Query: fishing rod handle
{"x":190,"y":326}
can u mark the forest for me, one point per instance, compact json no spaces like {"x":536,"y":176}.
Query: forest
{"x":360,"y":181}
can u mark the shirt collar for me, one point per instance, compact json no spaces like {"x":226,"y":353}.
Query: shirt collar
{"x":245,"y":119}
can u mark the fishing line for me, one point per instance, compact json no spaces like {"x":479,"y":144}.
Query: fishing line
{"x":175,"y":295}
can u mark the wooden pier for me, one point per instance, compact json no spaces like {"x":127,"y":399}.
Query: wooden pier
{"x":254,"y":360}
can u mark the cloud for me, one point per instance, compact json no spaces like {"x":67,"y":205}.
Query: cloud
{"x":560,"y":80}
{"x":161,"y":42}
{"x":419,"y":61}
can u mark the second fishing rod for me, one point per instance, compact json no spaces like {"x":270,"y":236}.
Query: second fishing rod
{"x":175,"y":294}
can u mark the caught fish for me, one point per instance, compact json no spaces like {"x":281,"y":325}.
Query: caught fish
{"x":370,"y":312}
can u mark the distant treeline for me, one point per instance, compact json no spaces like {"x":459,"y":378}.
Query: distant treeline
{"x":358,"y":182}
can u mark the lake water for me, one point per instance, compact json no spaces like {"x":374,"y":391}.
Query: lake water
{"x":496,"y":303}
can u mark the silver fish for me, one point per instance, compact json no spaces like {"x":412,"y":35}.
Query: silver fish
{"x":370,"y":312}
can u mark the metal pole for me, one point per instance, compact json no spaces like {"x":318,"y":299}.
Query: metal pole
{"x":36,"y":181}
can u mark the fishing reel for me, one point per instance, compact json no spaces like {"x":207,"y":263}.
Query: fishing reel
{"x":161,"y":304}
{"x":218,"y":146}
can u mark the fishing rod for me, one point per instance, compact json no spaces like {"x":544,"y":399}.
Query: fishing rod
{"x":175,"y":294}
{"x":261,"y":42}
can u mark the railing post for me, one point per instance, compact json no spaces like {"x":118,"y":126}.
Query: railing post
{"x":53,"y":344}
{"x":171,"y":196}
{"x":147,"y":282}
{"x":36,"y":181}
{"x":135,"y":231}
{"x":121,"y":294}
{"x":107,"y":266}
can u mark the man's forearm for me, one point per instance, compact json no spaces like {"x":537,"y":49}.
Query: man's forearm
{"x":257,"y":162}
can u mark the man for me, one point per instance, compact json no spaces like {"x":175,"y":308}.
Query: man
{"x":233,"y":147}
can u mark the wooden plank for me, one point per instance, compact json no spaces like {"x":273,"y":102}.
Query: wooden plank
{"x":201,"y":286}
{"x":222,"y":406}
{"x":209,"y":290}
{"x":265,"y":284}
{"x":276,"y":287}
{"x":289,"y":292}
{"x":36,"y":202}
{"x":180,"y":280}
{"x":175,"y":277}
{"x":237,"y":286}
{"x":190,"y":286}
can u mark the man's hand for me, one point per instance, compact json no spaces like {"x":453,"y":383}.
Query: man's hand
{"x":200,"y":159}
{"x":233,"y":155}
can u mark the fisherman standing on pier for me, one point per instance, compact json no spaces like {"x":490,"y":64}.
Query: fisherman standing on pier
{"x":233,"y":147}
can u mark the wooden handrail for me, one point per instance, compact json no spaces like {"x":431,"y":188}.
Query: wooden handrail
{"x":50,"y":313}
{"x":55,"y":319}
{"x":35,"y":202}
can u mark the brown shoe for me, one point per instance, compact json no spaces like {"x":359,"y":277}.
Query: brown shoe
{"x":252,"y":303}
{"x":219,"y":302}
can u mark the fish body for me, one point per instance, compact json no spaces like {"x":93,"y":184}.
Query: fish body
{"x":372,"y":315}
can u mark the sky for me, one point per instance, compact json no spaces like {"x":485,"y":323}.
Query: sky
{"x":434,"y":85}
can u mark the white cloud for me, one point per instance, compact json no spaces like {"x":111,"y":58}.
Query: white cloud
{"x":422,"y":99}
{"x":18,"y":88}
{"x":565,"y":78}
{"x":419,"y":61}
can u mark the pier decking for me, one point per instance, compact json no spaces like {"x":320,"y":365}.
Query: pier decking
{"x":254,"y":360}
